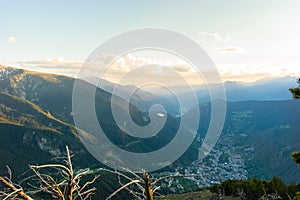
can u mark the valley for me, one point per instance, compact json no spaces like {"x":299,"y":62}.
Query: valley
{"x":36,"y":122}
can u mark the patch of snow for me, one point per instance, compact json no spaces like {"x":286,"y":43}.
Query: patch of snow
{"x":160,"y":114}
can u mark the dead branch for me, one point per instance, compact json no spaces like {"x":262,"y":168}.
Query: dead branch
{"x":145,"y":187}
{"x":148,"y":186}
{"x":69,"y":187}
{"x":65,"y":185}
{"x":19,"y":191}
{"x":121,"y":188}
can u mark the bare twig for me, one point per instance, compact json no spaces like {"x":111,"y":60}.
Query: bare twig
{"x":68,"y":187}
{"x":144,"y":186}
{"x":15,"y":190}
{"x":121,"y":188}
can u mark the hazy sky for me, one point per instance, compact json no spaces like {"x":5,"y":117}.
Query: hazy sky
{"x":247,"y":40}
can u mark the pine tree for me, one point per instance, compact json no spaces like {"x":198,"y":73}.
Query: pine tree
{"x":296,"y":91}
{"x":296,"y":95}
{"x":296,"y":155}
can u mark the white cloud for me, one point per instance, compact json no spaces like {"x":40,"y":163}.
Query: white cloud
{"x":126,"y":65}
{"x":52,"y":65}
{"x":113,"y":68}
{"x":226,"y":50}
{"x":11,"y":40}
{"x":52,"y":62}
{"x":251,"y":73}
{"x":182,"y":68}
{"x":215,"y":36}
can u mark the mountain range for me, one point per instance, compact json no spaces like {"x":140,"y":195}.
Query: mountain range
{"x":260,"y":132}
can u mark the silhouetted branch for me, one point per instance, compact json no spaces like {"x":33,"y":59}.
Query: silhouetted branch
{"x":145,"y":186}
{"x":16,"y":192}
{"x":68,"y":188}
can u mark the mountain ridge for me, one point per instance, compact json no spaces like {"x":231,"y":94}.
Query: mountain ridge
{"x":240,"y":144}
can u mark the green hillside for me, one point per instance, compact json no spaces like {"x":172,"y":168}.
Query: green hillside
{"x":31,"y":135}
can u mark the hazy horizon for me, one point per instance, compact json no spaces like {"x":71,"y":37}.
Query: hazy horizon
{"x":95,"y":79}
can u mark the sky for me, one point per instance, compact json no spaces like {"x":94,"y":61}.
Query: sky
{"x":247,"y":40}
